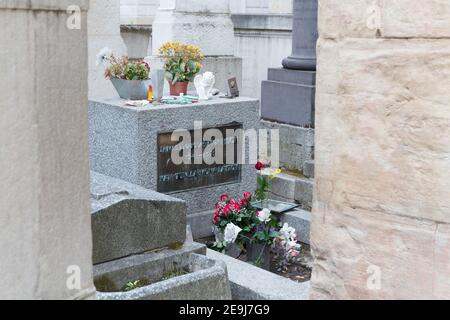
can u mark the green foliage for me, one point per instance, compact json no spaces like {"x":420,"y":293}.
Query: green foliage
{"x":133,"y":285}
{"x":263,"y":186}
{"x":123,"y":68}
{"x":136,"y":71}
{"x":173,"y":274}
{"x":182,"y":61}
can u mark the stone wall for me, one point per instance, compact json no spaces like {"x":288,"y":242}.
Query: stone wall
{"x":261,"y":6}
{"x":103,"y":31}
{"x":141,"y":12}
{"x":381,"y":222}
{"x":262,"y":41}
{"x":44,"y":190}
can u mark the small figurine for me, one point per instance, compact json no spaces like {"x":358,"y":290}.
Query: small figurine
{"x":204,"y":85}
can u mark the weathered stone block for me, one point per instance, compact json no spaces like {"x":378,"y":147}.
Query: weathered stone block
{"x":296,"y":145}
{"x":382,"y":170}
{"x":123,"y":142}
{"x":304,"y":192}
{"x":284,"y":185}
{"x":127,"y":219}
{"x":206,"y":279}
{"x":288,"y":97}
{"x":397,"y":113}
{"x":308,"y":169}
{"x":384,"y":18}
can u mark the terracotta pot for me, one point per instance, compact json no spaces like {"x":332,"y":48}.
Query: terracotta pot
{"x":177,"y":88}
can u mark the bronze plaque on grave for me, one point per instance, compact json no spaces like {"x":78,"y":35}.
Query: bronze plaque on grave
{"x":191,"y":174}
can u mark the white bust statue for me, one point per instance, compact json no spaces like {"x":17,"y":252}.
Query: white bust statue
{"x":204,"y":84}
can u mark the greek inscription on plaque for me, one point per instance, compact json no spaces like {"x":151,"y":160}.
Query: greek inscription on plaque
{"x":198,"y":173}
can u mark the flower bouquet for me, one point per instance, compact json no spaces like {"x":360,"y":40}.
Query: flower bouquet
{"x":251,"y":230}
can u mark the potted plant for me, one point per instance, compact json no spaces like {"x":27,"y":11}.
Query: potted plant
{"x":181,"y":63}
{"x":239,"y":224}
{"x":130,"y":78}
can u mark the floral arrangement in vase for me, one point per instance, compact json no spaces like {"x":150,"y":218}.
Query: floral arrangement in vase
{"x":258,"y":232}
{"x":130,"y":78}
{"x":182,"y":62}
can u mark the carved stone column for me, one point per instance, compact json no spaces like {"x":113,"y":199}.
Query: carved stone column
{"x":288,"y":95}
{"x":304,"y":36}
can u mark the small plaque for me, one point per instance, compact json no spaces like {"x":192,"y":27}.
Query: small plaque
{"x":178,"y":178}
{"x":275,"y":206}
{"x":233,"y":89}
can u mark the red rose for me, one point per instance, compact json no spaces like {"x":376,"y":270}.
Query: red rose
{"x":237,"y":207}
{"x":217,"y":206}
{"x":247,"y":195}
{"x":226,"y":210}
{"x":259,"y":166}
{"x":243,"y":202}
{"x":232,"y":201}
{"x":217,"y":213}
{"x":224,"y":198}
{"x":216,"y":220}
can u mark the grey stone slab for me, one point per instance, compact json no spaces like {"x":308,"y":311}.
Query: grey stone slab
{"x":201,"y":224}
{"x":304,"y":191}
{"x":308,"y":169}
{"x":296,"y":145}
{"x":123,"y":141}
{"x":284,"y":185}
{"x":128,"y":219}
{"x":301,"y":221}
{"x":292,"y":76}
{"x":288,"y":103}
{"x":251,"y":283}
{"x":206,"y":279}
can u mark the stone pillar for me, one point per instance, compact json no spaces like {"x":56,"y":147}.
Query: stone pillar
{"x":206,"y":24}
{"x":288,"y":95}
{"x":304,"y":36}
{"x":44,"y":190}
{"x":381,"y":222}
{"x":103,"y":31}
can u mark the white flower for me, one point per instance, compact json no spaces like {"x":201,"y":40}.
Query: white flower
{"x":231,"y":233}
{"x":288,"y":233}
{"x":264,"y":215}
{"x":103,"y":56}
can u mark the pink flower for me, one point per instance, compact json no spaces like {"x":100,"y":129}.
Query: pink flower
{"x":216,"y":220}
{"x":217,"y":206}
{"x":247,"y":195}
{"x":243,"y":202}
{"x":217,"y":213}
{"x":224,"y":198}
{"x":237,"y":207}
{"x":226,"y":210}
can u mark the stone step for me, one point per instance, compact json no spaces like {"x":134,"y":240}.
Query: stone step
{"x":288,"y":103}
{"x":289,"y":188}
{"x":141,"y":219}
{"x":308,"y":169}
{"x":301,"y":221}
{"x":252,"y":283}
{"x":292,"y":76}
